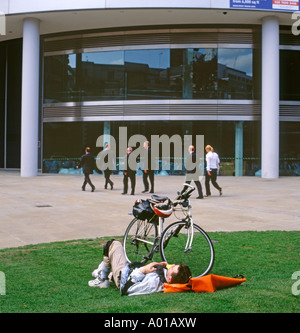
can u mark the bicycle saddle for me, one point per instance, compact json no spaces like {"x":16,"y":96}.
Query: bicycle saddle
{"x":158,"y":198}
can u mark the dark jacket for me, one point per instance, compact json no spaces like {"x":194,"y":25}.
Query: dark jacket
{"x":87,"y":163}
{"x":127,"y":169}
{"x":147,"y":157}
{"x":190,"y":160}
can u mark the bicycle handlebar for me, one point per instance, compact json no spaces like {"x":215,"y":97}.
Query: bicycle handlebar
{"x":181,"y":198}
{"x":184,"y":194}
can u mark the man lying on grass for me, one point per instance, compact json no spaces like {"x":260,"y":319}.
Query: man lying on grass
{"x":132,"y":279}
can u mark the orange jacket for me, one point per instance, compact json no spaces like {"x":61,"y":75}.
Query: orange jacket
{"x":208,"y":283}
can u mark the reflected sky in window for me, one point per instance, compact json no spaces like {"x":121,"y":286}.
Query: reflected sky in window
{"x":104,"y":58}
{"x":72,"y":60}
{"x":153,"y":58}
{"x":240,"y":59}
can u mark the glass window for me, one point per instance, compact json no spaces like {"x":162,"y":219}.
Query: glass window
{"x":235,"y":73}
{"x":102,"y":75}
{"x":147,"y":74}
{"x":167,"y":74}
{"x":204,"y":75}
{"x":251,"y":148}
{"x":150,"y":74}
{"x":289,"y":75}
{"x":289,"y":164}
{"x":60,"y":79}
{"x":14,"y":88}
{"x":64,"y":143}
{"x":2,"y":102}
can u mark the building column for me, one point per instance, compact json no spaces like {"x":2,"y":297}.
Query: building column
{"x":239,"y":148}
{"x":30,"y":97}
{"x":270,"y":98}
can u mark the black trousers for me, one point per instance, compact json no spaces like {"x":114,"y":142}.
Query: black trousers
{"x":213,"y":179}
{"x":198,"y":185}
{"x":87,"y":180}
{"x":107,"y":174}
{"x":150,"y":174}
{"x":130,"y":176}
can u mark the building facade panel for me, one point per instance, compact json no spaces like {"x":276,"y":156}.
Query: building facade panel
{"x":152,"y":76}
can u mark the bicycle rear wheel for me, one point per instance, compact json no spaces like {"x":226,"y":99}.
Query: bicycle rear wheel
{"x":174,"y":248}
{"x":139,"y":240}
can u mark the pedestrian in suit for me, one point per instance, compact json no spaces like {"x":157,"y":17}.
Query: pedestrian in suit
{"x":87,"y":163}
{"x":107,"y":171}
{"x":212,"y":166}
{"x":192,"y":172}
{"x":148,"y":172}
{"x":129,"y":173}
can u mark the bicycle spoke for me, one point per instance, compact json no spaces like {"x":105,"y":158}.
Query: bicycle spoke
{"x":139,"y":239}
{"x":175,"y":248}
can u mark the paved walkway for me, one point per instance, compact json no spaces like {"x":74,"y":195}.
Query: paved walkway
{"x":51,"y":207}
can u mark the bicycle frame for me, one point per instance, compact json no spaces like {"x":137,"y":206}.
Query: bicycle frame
{"x":146,"y":238}
{"x":190,"y":230}
{"x":183,"y":201}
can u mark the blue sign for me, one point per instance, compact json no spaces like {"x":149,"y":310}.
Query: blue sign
{"x":281,"y":5}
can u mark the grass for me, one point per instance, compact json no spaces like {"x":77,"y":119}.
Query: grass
{"x":52,"y":278}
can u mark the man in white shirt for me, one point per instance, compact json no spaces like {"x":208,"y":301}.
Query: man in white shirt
{"x":212,"y":166}
{"x":135,"y":279}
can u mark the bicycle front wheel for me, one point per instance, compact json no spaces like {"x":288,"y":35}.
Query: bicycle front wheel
{"x":139,"y":240}
{"x":175,"y":247}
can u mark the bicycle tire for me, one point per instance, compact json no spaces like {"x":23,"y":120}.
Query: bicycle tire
{"x":139,"y":240}
{"x":199,"y":258}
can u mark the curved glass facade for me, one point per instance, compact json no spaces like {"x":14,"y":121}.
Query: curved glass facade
{"x":64,"y":142}
{"x":192,"y":73}
{"x":214,"y":87}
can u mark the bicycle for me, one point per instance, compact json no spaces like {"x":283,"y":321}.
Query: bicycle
{"x":180,"y":242}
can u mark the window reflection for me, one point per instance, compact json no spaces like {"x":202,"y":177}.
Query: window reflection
{"x":60,"y":78}
{"x":102,"y":75}
{"x":206,"y":73}
{"x":147,"y":74}
{"x":235,"y":73}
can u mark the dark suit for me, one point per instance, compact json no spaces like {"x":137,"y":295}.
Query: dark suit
{"x":148,"y":172}
{"x":192,"y":172}
{"x":107,"y":172}
{"x":87,"y":163}
{"x":131,"y":174}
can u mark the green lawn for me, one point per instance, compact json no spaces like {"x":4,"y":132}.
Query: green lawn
{"x":54,"y":278}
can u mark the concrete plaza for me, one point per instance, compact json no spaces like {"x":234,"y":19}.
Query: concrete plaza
{"x":52,"y":207}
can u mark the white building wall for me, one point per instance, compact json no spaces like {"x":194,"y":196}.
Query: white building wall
{"x":31,"y":6}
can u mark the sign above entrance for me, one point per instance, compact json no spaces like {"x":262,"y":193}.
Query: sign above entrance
{"x":265,"y":5}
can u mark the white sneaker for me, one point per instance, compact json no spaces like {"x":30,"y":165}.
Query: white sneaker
{"x":101,"y":283}
{"x":96,"y":272}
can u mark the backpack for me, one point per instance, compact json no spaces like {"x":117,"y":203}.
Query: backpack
{"x":142,"y":210}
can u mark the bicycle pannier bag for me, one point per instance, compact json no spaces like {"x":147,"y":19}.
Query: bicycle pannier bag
{"x":142,"y":210}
